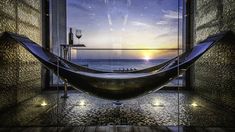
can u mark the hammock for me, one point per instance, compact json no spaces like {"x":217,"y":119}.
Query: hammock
{"x":111,"y":85}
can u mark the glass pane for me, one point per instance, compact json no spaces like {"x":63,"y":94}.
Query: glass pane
{"x":125,"y":24}
{"x":121,"y":36}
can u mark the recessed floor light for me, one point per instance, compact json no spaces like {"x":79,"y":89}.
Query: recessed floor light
{"x":44,"y":103}
{"x":194,"y":104}
{"x":157,"y":104}
{"x":82,"y":103}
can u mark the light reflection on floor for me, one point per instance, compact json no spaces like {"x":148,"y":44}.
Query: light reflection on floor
{"x":157,"y":109}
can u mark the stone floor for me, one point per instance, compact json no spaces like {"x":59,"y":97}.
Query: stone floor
{"x":156,"y":109}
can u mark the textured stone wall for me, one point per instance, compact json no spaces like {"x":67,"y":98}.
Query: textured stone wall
{"x":20,"y":72}
{"x":214,"y":72}
{"x":213,"y":16}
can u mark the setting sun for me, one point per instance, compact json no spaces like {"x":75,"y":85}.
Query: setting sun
{"x":147,"y":58}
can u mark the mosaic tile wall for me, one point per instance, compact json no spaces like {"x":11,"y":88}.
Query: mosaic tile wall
{"x":20,"y":72}
{"x":214,"y":72}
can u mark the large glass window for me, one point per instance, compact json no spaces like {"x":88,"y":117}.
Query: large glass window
{"x":125,"y":34}
{"x":120,"y":36}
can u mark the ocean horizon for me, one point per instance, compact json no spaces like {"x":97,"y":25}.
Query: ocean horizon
{"x":118,"y":64}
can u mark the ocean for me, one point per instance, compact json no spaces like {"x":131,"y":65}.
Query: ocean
{"x":118,"y":64}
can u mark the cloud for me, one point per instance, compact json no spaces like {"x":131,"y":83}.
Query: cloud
{"x":164,"y":35}
{"x":125,"y":19}
{"x":109,"y":19}
{"x":163,"y":22}
{"x":79,"y":6}
{"x":141,"y":24}
{"x":105,"y":1}
{"x":171,"y":14}
{"x":170,"y":18}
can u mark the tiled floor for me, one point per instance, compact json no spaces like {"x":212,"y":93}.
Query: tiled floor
{"x":136,"y":112}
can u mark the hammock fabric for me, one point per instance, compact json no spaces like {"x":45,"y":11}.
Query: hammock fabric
{"x":114,"y":85}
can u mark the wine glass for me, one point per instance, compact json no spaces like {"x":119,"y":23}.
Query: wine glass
{"x":78,"y":33}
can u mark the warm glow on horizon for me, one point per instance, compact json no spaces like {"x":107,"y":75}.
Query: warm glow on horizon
{"x":155,"y":54}
{"x":74,"y":53}
{"x":147,"y":55}
{"x":147,"y":58}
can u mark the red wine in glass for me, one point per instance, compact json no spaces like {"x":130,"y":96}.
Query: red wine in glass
{"x":78,"y":33}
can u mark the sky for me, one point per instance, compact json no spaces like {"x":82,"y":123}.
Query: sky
{"x":125,"y":24}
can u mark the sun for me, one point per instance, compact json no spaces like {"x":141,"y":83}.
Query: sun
{"x":146,"y":58}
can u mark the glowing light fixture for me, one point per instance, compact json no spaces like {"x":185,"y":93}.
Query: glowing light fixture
{"x":157,"y":103}
{"x":82,"y":103}
{"x":194,"y":104}
{"x":44,"y":103}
